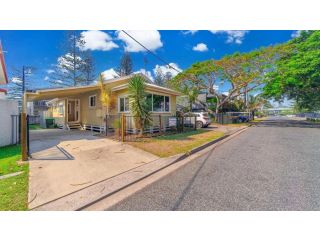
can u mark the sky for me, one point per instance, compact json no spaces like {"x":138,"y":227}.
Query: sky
{"x":41,"y":49}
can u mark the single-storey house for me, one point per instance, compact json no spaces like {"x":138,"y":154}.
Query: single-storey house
{"x":80,"y":107}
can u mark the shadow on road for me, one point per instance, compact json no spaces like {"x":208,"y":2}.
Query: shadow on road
{"x":190,"y":183}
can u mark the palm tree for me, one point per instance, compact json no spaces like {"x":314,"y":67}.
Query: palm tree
{"x":137,"y":102}
{"x":192,"y":94}
{"x":255,"y":103}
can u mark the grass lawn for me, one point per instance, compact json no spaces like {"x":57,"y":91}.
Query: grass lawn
{"x":34,"y":127}
{"x":165,"y":146}
{"x":13,"y":190}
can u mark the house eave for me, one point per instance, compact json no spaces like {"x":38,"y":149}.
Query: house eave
{"x":150,"y":87}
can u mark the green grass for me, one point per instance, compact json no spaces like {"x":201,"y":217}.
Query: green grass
{"x":8,"y":159}
{"x":34,"y":127}
{"x":180,"y":136}
{"x":13,"y":190}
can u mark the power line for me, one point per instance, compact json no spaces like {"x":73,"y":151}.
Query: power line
{"x":152,"y":53}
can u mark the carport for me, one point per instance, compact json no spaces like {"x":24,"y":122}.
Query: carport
{"x":64,"y":94}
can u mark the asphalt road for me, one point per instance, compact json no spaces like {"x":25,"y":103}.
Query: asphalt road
{"x":274,"y":165}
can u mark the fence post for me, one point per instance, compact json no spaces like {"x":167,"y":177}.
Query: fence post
{"x":23,"y":137}
{"x":160,"y":123}
{"x":182,"y":124}
{"x":107,"y":125}
{"x":28,"y":137}
{"x":122,"y":127}
{"x":195,"y":122}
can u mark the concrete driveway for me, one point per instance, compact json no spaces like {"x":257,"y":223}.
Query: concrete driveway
{"x":65,"y":161}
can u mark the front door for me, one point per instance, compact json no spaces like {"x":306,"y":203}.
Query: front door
{"x":73,"y":110}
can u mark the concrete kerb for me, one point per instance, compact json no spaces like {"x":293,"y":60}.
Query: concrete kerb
{"x":71,"y":199}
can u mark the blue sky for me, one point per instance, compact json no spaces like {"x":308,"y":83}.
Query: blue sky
{"x":41,"y":49}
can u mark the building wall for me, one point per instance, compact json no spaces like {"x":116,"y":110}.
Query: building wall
{"x":95,"y":116}
{"x":7,"y":108}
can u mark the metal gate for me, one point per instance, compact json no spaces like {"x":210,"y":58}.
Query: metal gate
{"x":15,"y":129}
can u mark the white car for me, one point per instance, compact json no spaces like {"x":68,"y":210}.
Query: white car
{"x":203,"y":119}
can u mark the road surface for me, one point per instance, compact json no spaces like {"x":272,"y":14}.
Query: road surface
{"x":274,"y":165}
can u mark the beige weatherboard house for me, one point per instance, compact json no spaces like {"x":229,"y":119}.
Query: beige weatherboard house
{"x":80,"y":107}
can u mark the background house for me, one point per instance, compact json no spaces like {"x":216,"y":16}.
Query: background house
{"x":8,"y":110}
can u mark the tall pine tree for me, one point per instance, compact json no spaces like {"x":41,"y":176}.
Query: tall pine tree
{"x":126,"y":65}
{"x":70,"y":66}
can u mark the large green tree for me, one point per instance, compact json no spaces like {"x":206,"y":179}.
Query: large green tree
{"x":243,"y":72}
{"x":297,"y":73}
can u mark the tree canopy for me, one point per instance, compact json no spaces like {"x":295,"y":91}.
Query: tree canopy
{"x":243,"y":71}
{"x":297,"y":73}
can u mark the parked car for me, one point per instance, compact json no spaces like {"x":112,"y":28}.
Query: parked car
{"x":243,"y":118}
{"x":203,"y":119}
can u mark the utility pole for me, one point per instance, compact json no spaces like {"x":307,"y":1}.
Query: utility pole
{"x":145,"y":61}
{"x":24,"y":150}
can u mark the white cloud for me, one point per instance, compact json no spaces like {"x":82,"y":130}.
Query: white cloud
{"x":191,"y":32}
{"x":49,"y":71}
{"x":150,"y":39}
{"x":165,"y":69}
{"x":147,"y":73}
{"x":200,"y":47}
{"x":97,"y":40}
{"x":233,"y":36}
{"x":109,"y":74}
{"x":16,"y":80}
{"x":296,"y":34}
{"x":46,"y":78}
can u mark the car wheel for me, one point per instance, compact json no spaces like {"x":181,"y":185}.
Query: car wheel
{"x":199,"y":124}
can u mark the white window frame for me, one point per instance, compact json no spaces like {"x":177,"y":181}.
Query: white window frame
{"x":163,"y":95}
{"x":61,"y":108}
{"x":95,"y":102}
{"x":124,"y":97}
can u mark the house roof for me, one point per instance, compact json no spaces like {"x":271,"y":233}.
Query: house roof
{"x":52,"y":93}
{"x":3,"y":90}
{"x":3,"y":72}
{"x":128,"y":77}
{"x":150,"y":87}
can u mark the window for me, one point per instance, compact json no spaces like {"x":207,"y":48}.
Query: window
{"x":155,"y":103}
{"x":60,"y":109}
{"x":166,"y":104}
{"x":123,"y":104}
{"x":158,"y":103}
{"x":149,"y":102}
{"x":92,"y":101}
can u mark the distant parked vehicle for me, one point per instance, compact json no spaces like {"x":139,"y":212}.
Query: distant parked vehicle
{"x":203,"y":119}
{"x":243,"y":118}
